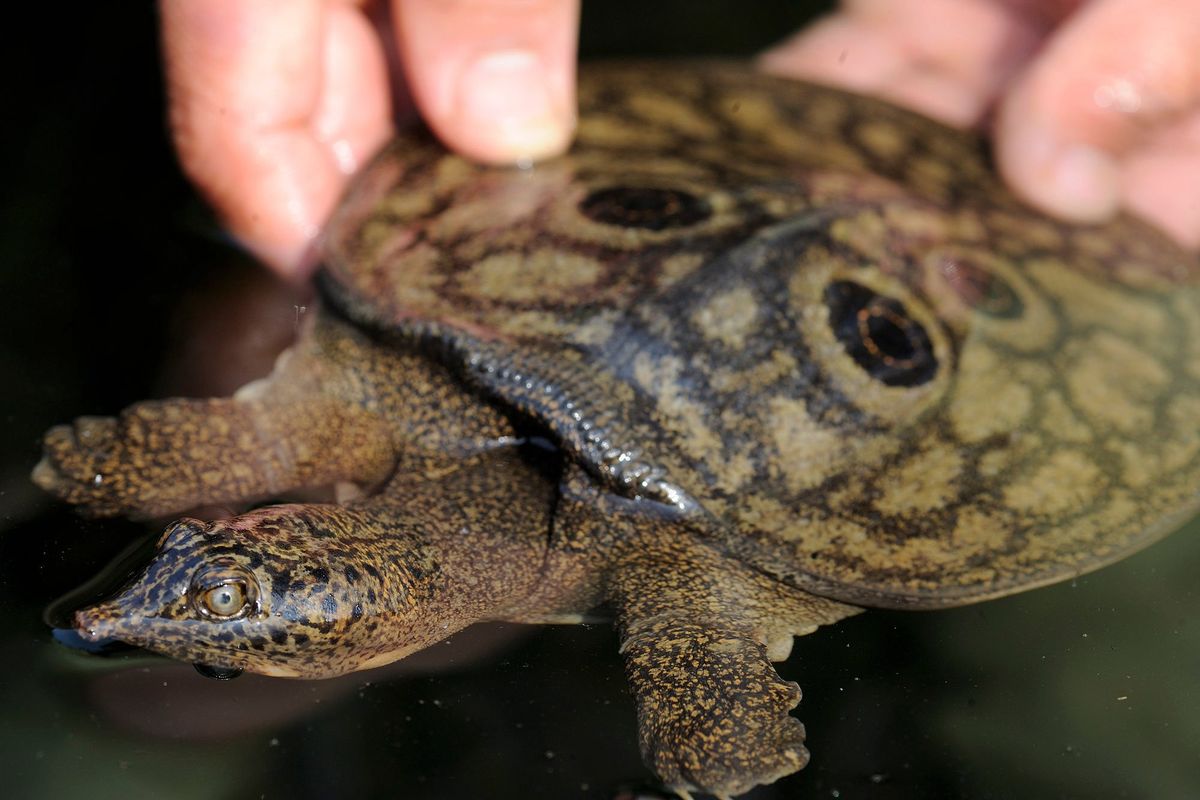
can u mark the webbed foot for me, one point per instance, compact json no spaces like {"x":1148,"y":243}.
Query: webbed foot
{"x":155,"y":458}
{"x":699,"y":630}
{"x":167,"y":456}
{"x":712,"y":712}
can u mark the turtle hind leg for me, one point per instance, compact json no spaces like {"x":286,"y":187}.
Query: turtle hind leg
{"x":699,"y":631}
{"x":306,"y":425}
{"x":712,"y":712}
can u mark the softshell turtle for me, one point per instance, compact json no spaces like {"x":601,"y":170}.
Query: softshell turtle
{"x":754,"y":355}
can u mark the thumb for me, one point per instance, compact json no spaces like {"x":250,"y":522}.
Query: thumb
{"x":1108,"y":115}
{"x":495,"y":79}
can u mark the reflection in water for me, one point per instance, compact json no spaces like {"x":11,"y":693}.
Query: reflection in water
{"x":218,"y":673}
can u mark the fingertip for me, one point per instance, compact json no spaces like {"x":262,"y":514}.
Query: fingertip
{"x":1073,"y":180}
{"x":294,"y":261}
{"x":837,"y":50}
{"x":278,"y":217}
{"x":1162,"y":186}
{"x":508,"y":108}
{"x":1105,"y":90}
{"x":1083,"y":182}
{"x":494,"y":80}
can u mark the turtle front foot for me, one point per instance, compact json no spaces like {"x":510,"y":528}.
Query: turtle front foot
{"x":156,"y":458}
{"x":712,"y":712}
{"x":80,"y":465}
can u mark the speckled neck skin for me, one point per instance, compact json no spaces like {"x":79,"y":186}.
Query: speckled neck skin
{"x":343,"y":588}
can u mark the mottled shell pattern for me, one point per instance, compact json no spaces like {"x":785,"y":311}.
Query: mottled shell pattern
{"x":816,"y":322}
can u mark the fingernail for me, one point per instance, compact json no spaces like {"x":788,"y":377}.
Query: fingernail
{"x":1074,"y":180}
{"x":506,"y":98}
{"x":1085,"y":179}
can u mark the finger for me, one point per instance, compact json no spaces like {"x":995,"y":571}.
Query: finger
{"x":495,"y":79}
{"x":272,"y":104}
{"x":1091,"y":113}
{"x":946,"y":58}
{"x":1161,"y":182}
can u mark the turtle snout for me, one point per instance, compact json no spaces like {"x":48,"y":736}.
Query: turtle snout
{"x":96,"y":623}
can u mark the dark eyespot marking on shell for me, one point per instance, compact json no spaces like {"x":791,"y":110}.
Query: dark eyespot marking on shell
{"x":879,"y":335}
{"x":644,"y":207}
{"x":981,"y":289}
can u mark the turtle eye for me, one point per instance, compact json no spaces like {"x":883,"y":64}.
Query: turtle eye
{"x":880,"y":335}
{"x":224,"y":590}
{"x":644,"y":207}
{"x":225,"y":600}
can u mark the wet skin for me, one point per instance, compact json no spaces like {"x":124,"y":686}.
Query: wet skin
{"x":753,"y":356}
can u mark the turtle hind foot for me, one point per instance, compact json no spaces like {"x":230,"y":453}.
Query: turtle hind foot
{"x":713,"y":713}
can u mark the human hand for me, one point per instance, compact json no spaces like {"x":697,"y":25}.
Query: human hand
{"x":1096,"y":103}
{"x":275,"y":103}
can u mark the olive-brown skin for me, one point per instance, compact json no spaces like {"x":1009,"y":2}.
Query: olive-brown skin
{"x":753,"y":355}
{"x":330,"y":589}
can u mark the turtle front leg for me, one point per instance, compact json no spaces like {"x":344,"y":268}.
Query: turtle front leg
{"x":314,"y":421}
{"x":699,"y":631}
{"x":163,"y":457}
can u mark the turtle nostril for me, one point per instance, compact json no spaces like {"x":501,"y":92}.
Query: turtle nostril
{"x":94,"y":624}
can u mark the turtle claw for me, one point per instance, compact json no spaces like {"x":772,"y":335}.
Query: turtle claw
{"x":713,"y":713}
{"x":156,"y":458}
{"x":740,"y":763}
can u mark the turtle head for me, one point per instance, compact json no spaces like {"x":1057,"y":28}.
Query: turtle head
{"x":292,"y":591}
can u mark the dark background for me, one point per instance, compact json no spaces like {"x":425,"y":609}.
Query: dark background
{"x":116,"y":282}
